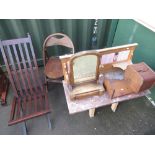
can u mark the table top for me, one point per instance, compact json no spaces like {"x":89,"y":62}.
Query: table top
{"x":75,"y":106}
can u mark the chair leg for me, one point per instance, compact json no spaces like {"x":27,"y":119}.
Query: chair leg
{"x":3,"y":99}
{"x":46,"y":81}
{"x":91,"y":112}
{"x":24,"y":128}
{"x":114,"y":106}
{"x":49,"y":121}
{"x":3,"y":102}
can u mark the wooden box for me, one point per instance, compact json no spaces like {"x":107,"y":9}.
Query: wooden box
{"x":117,"y":88}
{"x":137,"y":78}
{"x":140,"y":76}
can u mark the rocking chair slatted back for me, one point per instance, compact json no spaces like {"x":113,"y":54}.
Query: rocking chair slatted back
{"x":21,"y":66}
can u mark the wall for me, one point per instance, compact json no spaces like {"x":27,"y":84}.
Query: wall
{"x":129,"y":31}
{"x":109,"y":33}
{"x":79,"y":30}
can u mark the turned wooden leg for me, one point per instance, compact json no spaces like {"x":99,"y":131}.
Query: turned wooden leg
{"x":114,"y":106}
{"x":91,"y":112}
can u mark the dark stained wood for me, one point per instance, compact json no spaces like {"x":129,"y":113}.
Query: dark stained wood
{"x":18,"y":110}
{"x":141,"y":76}
{"x":30,"y":98}
{"x":31,"y":67}
{"x":14,"y":74}
{"x":8,"y":69}
{"x":13,"y":108}
{"x":4,"y":85}
{"x":27,"y":77}
{"x":38,"y":79}
{"x":37,"y":114}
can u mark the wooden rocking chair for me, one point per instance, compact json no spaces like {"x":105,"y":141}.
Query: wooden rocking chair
{"x":30,"y":98}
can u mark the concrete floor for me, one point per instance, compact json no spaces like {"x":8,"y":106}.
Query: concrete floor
{"x":132,"y":117}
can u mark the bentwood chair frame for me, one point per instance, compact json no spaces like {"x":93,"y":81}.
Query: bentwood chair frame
{"x":56,"y":39}
{"x":30,"y":97}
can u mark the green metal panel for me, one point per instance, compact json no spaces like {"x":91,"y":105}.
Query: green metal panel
{"x":85,"y":31}
{"x":106,"y":31}
{"x":101,"y":31}
{"x":129,"y":31}
{"x":79,"y":30}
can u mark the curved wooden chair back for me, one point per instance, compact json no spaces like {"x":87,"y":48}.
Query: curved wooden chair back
{"x":84,"y":67}
{"x":56,"y":39}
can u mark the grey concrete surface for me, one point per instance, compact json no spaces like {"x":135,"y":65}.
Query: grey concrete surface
{"x":132,"y":117}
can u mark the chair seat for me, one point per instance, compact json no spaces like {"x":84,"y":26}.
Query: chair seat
{"x":53,"y":68}
{"x":86,"y":89}
{"x":27,"y":107}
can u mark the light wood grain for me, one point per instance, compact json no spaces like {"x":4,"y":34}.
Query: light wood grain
{"x":91,"y":112}
{"x":114,"y":106}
